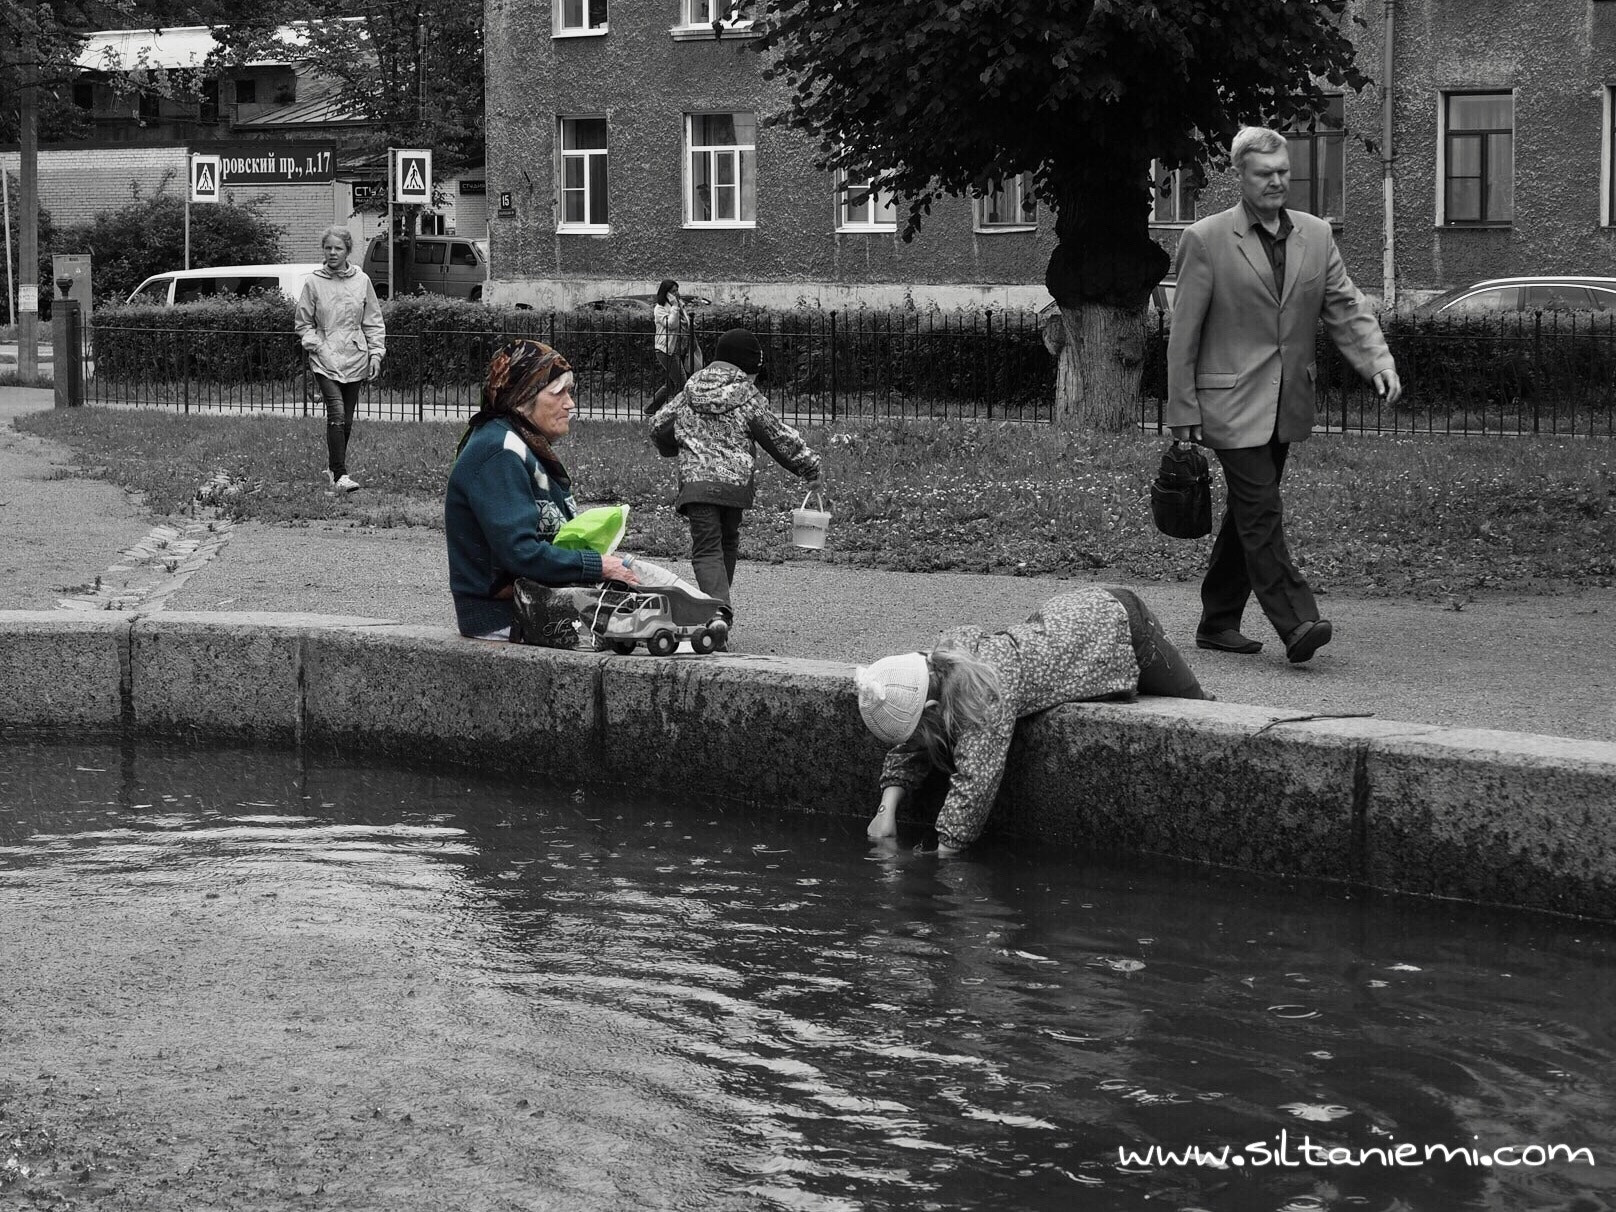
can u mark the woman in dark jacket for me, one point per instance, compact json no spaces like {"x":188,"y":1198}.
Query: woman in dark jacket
{"x":509,"y":493}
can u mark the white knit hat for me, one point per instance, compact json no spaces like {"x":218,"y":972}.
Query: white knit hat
{"x":892,"y":694}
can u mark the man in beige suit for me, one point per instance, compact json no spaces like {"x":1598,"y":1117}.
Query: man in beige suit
{"x":1253,"y":284}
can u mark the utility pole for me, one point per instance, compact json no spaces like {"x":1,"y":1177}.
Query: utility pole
{"x":28,"y":208}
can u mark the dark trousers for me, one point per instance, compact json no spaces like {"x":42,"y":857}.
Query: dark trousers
{"x":1249,"y":555}
{"x":715,"y":540}
{"x":1162,"y":667}
{"x":673,"y":372}
{"x":340,"y":401}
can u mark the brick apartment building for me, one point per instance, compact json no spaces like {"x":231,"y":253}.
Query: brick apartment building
{"x":631,"y":149}
{"x":1501,"y":147}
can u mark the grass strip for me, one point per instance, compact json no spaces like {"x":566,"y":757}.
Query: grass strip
{"x":1413,"y":516}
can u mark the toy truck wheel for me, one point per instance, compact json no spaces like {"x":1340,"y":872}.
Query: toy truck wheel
{"x":662,"y":643}
{"x":703,"y":641}
{"x":622,"y":647}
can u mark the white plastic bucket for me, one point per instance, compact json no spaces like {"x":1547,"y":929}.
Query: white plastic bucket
{"x":808,"y":526}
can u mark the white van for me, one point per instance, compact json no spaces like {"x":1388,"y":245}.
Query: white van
{"x":221,"y":281}
{"x":443,"y":265}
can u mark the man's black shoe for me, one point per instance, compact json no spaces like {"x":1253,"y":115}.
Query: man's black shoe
{"x":1307,"y":639}
{"x":1228,"y":640}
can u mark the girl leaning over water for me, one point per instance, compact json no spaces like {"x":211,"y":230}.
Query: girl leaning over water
{"x":955,"y":707}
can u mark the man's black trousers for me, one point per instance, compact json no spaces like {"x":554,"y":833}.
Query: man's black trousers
{"x":1249,"y":555}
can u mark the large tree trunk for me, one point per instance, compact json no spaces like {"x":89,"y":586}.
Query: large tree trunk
{"x":1101,"y":274}
{"x":1101,"y":356}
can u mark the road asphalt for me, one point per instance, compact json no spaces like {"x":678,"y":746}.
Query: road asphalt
{"x":1522,"y":663}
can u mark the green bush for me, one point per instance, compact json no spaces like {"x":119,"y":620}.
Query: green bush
{"x":128,"y":245}
{"x":216,"y":340}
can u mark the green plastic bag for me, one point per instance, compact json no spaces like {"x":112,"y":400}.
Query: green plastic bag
{"x":599,"y":530}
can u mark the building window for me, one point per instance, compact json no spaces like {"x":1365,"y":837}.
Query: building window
{"x":1009,"y":207}
{"x":1608,"y":167}
{"x":246,"y":92}
{"x":706,"y":12}
{"x":208,"y":105}
{"x":84,"y":94}
{"x":1478,"y":176}
{"x":150,"y":106}
{"x":1318,"y":164}
{"x":1174,"y":194}
{"x":861,"y":207}
{"x":722,"y":184}
{"x":580,"y":17}
{"x":583,"y":174}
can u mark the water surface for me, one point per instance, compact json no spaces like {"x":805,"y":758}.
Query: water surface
{"x":369,"y":982}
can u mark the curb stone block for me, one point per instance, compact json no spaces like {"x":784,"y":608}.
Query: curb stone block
{"x":233,"y":676}
{"x":1499,"y":817}
{"x":772,"y":731}
{"x":1180,"y":779}
{"x":427,"y":693}
{"x":62,"y":669}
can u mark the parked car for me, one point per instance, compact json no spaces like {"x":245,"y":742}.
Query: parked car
{"x":443,"y":265}
{"x":1507,"y":296}
{"x":642,"y":302}
{"x":178,"y":286}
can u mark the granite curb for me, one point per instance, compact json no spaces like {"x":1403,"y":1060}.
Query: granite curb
{"x":1491,"y":817}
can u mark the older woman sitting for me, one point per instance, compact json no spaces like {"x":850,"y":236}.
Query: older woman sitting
{"x":509,"y":493}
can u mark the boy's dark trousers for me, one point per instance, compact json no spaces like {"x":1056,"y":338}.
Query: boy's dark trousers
{"x":715,"y":540}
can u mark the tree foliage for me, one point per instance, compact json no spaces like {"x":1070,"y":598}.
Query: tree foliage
{"x":129,"y":244}
{"x":955,"y":96}
{"x":414,"y":68}
{"x":46,"y":36}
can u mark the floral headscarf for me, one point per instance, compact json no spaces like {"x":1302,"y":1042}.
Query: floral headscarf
{"x":520,"y":371}
{"x":517,"y":373}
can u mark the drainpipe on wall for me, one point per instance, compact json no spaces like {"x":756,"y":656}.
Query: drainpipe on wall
{"x":1388,"y":249}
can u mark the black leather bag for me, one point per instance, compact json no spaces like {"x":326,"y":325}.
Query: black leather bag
{"x":1181,"y":495}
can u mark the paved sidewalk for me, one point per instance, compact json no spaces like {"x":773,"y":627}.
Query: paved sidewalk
{"x":1521,"y":663}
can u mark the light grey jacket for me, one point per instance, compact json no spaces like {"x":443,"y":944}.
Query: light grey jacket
{"x":1239,"y":356}
{"x":339,"y":322}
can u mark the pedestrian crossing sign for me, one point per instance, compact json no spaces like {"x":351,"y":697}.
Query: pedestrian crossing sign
{"x":412,"y":177}
{"x":204,"y":178}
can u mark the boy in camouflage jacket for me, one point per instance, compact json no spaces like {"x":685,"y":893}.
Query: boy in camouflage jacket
{"x":714,"y":426}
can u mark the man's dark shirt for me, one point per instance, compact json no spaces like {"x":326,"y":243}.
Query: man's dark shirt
{"x":1273,"y":245}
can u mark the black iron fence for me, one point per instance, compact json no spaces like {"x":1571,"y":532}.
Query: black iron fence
{"x":1543,"y":373}
{"x":819,"y":370}
{"x":1530,"y":373}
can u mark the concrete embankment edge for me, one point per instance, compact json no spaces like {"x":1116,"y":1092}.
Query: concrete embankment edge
{"x":1493,"y":817}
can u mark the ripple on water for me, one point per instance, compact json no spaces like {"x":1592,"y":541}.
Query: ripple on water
{"x":832,"y":1030}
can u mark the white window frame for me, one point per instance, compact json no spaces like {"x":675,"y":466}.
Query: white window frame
{"x":1017,"y":189}
{"x":700,"y":14}
{"x":560,"y":29}
{"x":875,"y":202}
{"x":563,"y":154}
{"x":742,"y":153}
{"x":1178,"y":196}
{"x":1607,"y":154}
